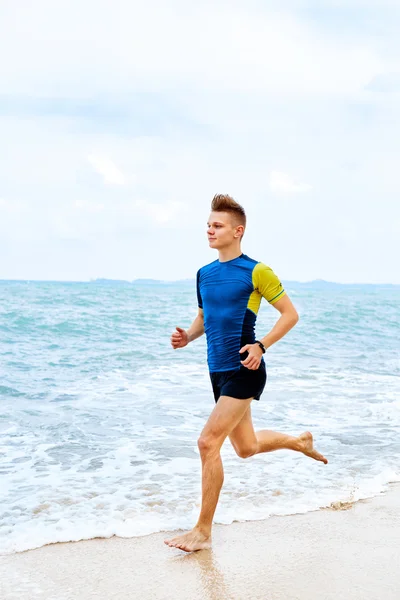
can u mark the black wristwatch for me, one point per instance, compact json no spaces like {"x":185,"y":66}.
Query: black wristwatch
{"x":261,"y":345}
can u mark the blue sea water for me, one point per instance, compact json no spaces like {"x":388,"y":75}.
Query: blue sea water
{"x":99,"y":417}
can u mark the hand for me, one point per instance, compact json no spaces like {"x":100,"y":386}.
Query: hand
{"x":179,"y":339}
{"x":253,"y":360}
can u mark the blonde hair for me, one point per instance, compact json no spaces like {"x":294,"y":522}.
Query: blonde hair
{"x":225,"y":203}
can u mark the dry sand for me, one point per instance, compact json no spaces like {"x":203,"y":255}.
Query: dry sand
{"x":351,"y":554}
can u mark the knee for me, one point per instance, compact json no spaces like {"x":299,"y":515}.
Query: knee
{"x":246,"y":451}
{"x":207,"y":445}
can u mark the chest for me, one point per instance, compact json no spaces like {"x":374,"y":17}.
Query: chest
{"x":226,"y":287}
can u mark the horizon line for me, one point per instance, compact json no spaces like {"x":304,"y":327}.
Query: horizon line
{"x":189,"y":279}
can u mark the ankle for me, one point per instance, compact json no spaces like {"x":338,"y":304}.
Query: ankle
{"x":298,"y":444}
{"x":204,"y":530}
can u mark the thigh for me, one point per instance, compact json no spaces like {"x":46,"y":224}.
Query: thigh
{"x":245,"y":383}
{"x":243,"y":437}
{"x":226,"y":415}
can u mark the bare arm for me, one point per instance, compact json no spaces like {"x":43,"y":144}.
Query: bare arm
{"x":181,"y":338}
{"x":197,"y":327}
{"x":286,"y":321}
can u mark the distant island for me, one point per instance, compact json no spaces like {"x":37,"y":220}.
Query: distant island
{"x":141,"y":281}
{"x":315,"y":283}
{"x":162,"y":282}
{"x":111,"y":281}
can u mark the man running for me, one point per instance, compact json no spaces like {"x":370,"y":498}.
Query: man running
{"x":229,"y":292}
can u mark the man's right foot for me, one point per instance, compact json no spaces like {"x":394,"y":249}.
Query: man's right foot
{"x":307,"y":447}
{"x":190,"y":542}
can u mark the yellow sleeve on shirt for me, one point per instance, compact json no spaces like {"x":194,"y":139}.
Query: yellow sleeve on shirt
{"x":267,"y":283}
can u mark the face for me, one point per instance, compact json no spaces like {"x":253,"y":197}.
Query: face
{"x":222,"y":231}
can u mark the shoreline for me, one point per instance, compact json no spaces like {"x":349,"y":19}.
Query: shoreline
{"x":350,"y":551}
{"x":334,"y":505}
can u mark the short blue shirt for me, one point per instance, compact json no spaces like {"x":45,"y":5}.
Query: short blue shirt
{"x":230,"y":295}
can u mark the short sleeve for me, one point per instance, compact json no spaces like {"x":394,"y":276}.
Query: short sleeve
{"x":199,"y":298}
{"x":267,"y":283}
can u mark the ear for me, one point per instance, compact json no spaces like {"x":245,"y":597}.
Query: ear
{"x":239,"y":231}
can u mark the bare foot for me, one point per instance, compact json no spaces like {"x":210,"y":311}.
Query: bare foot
{"x":307,"y":447}
{"x":190,"y":542}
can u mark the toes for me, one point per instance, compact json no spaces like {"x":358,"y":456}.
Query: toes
{"x":180,"y":546}
{"x":174,"y":543}
{"x":321,"y":458}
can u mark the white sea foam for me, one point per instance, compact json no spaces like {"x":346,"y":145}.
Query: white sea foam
{"x":100,"y":438}
{"x":172,"y":504}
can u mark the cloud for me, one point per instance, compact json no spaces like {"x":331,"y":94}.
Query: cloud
{"x":385,"y":83}
{"x":282,"y":183}
{"x":130,"y":125}
{"x":125,"y":48}
{"x":109,"y":171}
{"x":91,"y":207}
{"x":161,"y":213}
{"x":12,"y":208}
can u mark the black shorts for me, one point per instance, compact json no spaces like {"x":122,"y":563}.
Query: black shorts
{"x":241,"y":383}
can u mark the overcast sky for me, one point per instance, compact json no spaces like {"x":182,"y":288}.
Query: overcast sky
{"x":119,"y":121}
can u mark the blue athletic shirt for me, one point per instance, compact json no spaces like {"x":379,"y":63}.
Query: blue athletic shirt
{"x":230,"y":295}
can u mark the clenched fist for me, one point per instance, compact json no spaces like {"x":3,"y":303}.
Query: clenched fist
{"x":179,"y":339}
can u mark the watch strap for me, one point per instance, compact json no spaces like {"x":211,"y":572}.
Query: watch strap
{"x":261,"y":345}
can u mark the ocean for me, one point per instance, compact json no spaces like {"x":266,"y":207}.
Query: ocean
{"x":99,"y":416}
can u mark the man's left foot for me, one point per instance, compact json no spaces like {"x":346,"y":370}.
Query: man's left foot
{"x":307,"y":447}
{"x":190,"y":542}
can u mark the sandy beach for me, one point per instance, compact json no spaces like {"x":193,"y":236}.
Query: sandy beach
{"x":349,"y":554}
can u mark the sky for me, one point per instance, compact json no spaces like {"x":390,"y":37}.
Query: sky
{"x":120,"y":120}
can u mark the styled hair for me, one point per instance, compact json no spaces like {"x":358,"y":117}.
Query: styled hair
{"x":225,"y":203}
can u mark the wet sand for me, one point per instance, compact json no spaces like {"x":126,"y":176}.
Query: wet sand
{"x":351,"y":554}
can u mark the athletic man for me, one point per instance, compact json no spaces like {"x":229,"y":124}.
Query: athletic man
{"x":229,"y":292}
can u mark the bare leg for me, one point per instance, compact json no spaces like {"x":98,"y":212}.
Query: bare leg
{"x":227,"y":413}
{"x":268,"y":441}
{"x":247,"y":442}
{"x":212,"y":479}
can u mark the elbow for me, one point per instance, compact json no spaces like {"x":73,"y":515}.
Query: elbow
{"x":291,"y":318}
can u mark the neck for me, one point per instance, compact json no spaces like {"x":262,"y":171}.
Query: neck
{"x":230,"y":253}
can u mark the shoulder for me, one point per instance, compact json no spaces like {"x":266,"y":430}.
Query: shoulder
{"x":262,"y":268}
{"x":248,"y":261}
{"x":245,"y":263}
{"x":264,"y":275}
{"x":207,"y":268}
